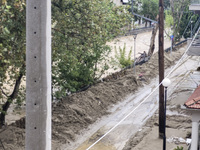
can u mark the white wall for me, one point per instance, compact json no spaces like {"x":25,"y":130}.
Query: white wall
{"x":117,"y":2}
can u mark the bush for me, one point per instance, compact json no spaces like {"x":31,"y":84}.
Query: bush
{"x":121,"y":58}
{"x":179,"y":148}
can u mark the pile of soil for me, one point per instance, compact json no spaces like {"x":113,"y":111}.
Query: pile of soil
{"x":79,"y":110}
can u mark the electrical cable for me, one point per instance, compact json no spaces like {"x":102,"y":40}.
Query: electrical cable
{"x":190,"y":75}
{"x":174,"y":68}
{"x":188,"y":24}
{"x":196,"y":25}
{"x":194,"y":81}
{"x":183,"y":54}
{"x":124,"y":118}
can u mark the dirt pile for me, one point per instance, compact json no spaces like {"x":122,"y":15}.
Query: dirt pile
{"x":12,"y":138}
{"x":78,"y":111}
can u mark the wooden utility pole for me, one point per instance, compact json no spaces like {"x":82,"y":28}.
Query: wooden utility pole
{"x":38,"y":75}
{"x":161,"y":67}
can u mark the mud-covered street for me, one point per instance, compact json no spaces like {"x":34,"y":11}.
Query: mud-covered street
{"x":82,"y":118}
{"x":184,"y":81}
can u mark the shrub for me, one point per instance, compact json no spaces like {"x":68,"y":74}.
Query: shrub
{"x":121,"y":58}
{"x":179,"y":148}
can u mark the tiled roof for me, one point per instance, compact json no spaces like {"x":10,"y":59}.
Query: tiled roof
{"x":193,"y":101}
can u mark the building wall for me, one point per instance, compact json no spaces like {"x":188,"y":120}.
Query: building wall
{"x":117,"y":2}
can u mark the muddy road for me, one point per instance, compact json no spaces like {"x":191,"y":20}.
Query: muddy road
{"x":117,"y":138}
{"x":77,"y":119}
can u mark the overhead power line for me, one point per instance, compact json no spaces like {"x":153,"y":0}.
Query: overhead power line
{"x":172,"y":70}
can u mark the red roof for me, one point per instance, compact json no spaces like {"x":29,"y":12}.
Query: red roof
{"x":193,"y":101}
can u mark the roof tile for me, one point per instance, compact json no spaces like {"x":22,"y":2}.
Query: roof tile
{"x":193,"y":101}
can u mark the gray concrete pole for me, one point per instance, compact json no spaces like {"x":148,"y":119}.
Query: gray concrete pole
{"x":38,"y":75}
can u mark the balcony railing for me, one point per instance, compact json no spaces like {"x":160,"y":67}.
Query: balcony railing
{"x":193,"y":2}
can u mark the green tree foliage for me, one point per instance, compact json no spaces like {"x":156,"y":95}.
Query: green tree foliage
{"x":150,"y":8}
{"x":181,"y":16}
{"x":80,"y":32}
{"x":12,"y":53}
{"x":186,"y":21}
{"x":166,"y":4}
{"x":168,"y":19}
{"x":136,"y":6}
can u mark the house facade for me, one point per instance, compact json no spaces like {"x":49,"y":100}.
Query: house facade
{"x":195,"y":6}
{"x":193,"y":105}
{"x":120,"y":2}
{"x":193,"y":102}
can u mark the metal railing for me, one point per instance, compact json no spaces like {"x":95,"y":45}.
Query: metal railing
{"x":195,"y":2}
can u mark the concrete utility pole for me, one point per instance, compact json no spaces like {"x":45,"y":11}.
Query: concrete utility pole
{"x":38,"y":75}
{"x":161,"y":68}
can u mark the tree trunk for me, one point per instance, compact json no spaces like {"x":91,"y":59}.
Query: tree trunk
{"x":152,"y":42}
{"x":174,"y":18}
{"x":10,"y":100}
